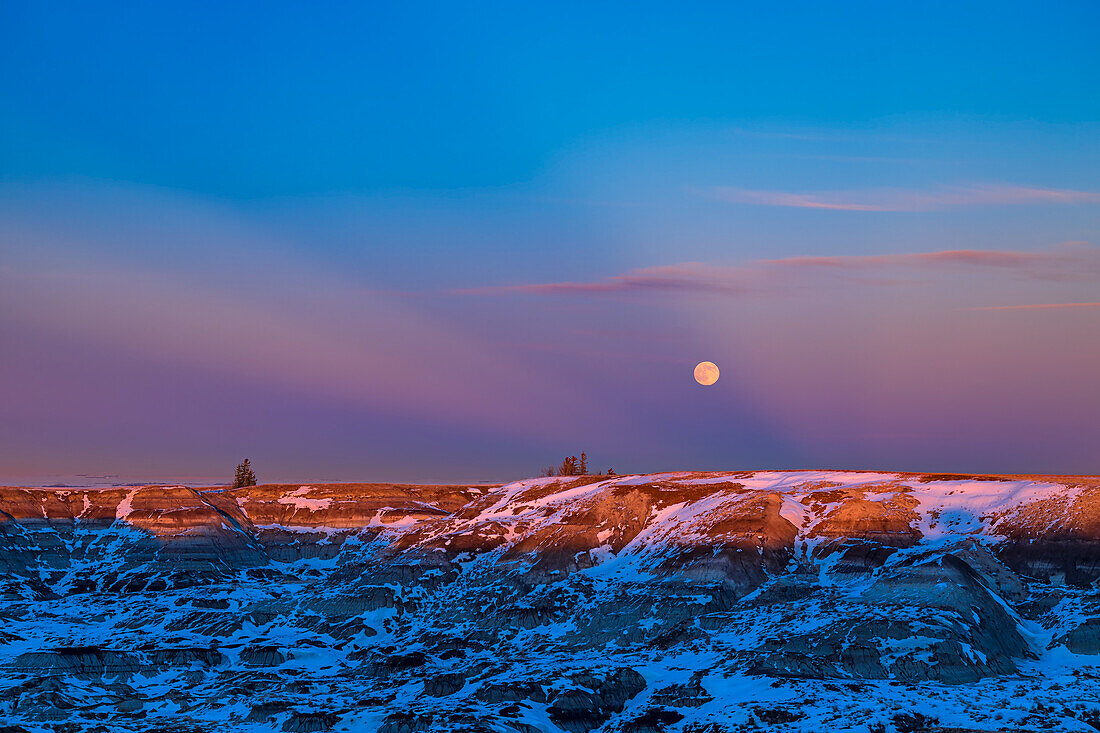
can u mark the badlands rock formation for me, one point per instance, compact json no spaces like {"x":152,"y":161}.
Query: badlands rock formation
{"x":702,"y":603}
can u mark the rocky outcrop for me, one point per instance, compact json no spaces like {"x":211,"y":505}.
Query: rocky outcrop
{"x":262,"y":656}
{"x":308,"y":722}
{"x":84,"y":661}
{"x":1085,"y":639}
{"x":594,"y":700}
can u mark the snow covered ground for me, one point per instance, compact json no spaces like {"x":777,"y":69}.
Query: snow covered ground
{"x":781,"y":601}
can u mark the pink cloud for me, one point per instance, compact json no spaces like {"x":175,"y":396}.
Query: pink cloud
{"x":1034,"y":306}
{"x":892,"y":199}
{"x":977,"y":257}
{"x":693,"y":276}
{"x":795,"y":200}
{"x":1068,"y":261}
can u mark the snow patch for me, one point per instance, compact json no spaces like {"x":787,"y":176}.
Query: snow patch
{"x":126,"y":505}
{"x":299,"y":500}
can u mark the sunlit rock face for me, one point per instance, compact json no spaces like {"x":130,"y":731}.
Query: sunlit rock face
{"x":695,"y":602}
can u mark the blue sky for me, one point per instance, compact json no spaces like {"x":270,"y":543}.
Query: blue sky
{"x":542,"y":204}
{"x":248,"y":100}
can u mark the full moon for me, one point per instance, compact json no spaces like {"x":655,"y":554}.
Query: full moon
{"x":706,"y":373}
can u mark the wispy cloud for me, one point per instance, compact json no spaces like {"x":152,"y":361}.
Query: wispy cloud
{"x":693,"y":276}
{"x":1034,"y":306}
{"x":951,"y":257}
{"x":794,"y":200}
{"x":1067,"y":261}
{"x":897,"y":199}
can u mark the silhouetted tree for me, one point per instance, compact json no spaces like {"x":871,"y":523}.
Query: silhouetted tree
{"x":572,"y":466}
{"x":611,"y":472}
{"x":245,"y":475}
{"x":568,"y":466}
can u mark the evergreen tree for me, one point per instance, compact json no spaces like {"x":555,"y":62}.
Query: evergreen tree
{"x":568,"y":466}
{"x":245,"y":475}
